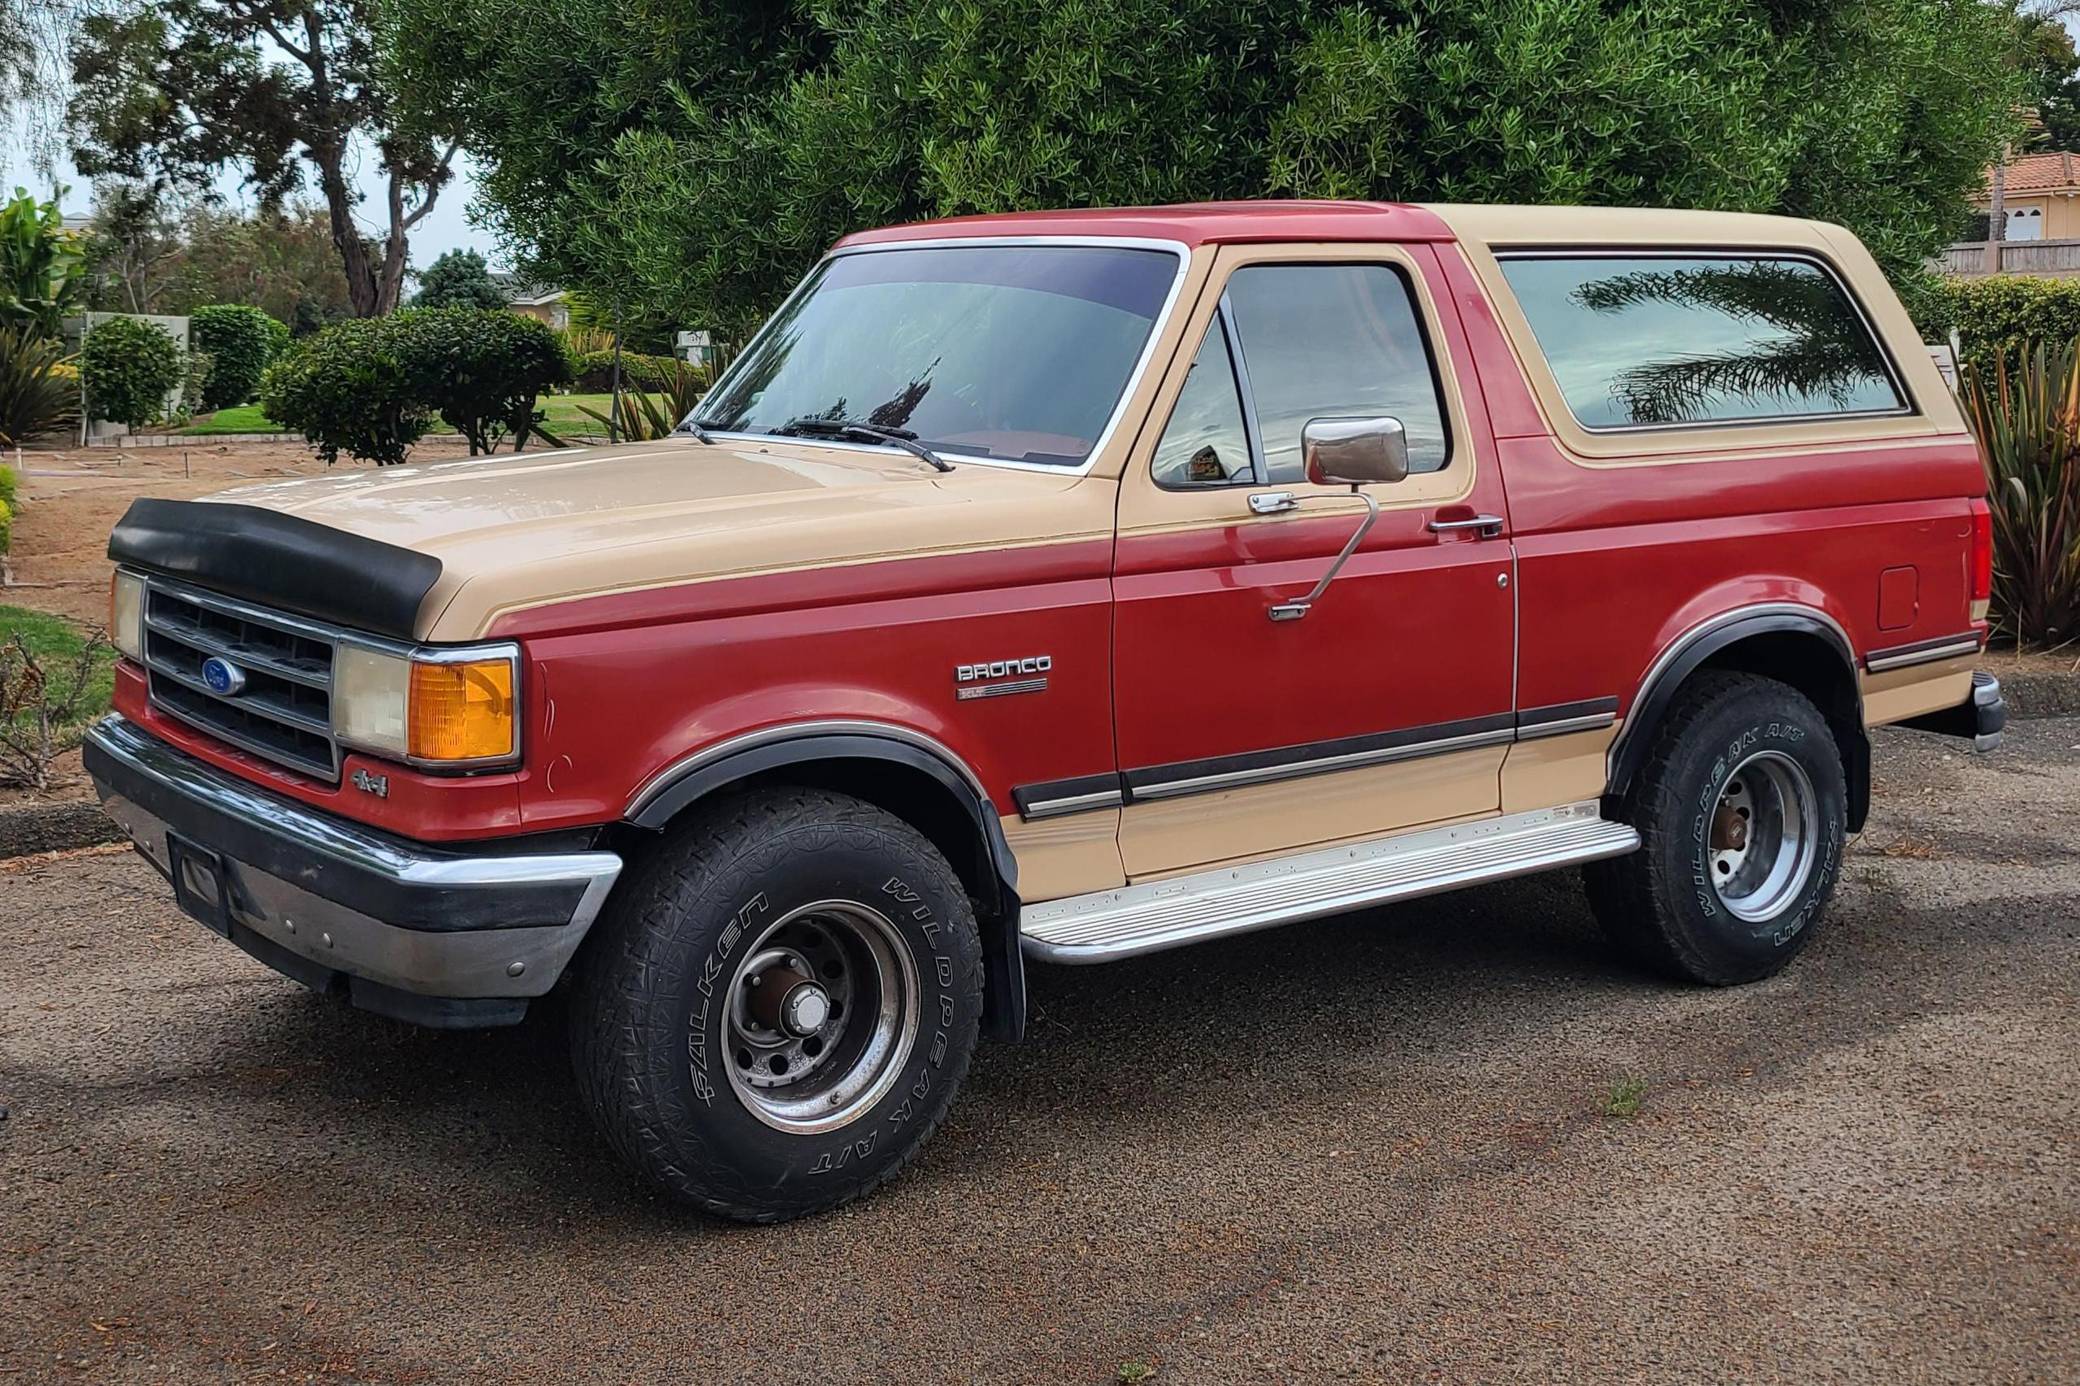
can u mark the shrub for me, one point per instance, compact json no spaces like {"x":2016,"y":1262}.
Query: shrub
{"x":1999,"y":315}
{"x":645,"y":415}
{"x":242,"y":340}
{"x":39,"y":392}
{"x":54,"y":681}
{"x":482,"y":371}
{"x":201,"y":369}
{"x":131,"y":366}
{"x":6,"y":525}
{"x":349,"y":389}
{"x":594,"y":370}
{"x":2027,"y":421}
{"x":8,"y":483}
{"x":459,"y":279}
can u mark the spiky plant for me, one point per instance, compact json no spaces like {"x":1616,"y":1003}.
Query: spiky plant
{"x":2027,"y":421}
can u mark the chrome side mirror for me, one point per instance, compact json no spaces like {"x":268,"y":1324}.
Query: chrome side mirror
{"x":1354,"y":452}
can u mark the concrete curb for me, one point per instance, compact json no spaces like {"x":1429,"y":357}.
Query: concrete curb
{"x":54,"y":828}
{"x":2040,"y":695}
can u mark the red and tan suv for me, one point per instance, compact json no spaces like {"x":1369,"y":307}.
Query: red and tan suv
{"x":1069,"y":587}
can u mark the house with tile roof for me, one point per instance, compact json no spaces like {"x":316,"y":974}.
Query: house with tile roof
{"x":2040,"y":222}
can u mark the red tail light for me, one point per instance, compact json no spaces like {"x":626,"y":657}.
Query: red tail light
{"x":1982,"y":551}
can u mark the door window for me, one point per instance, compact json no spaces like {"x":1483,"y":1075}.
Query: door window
{"x":1205,"y":442}
{"x":1326,"y":341}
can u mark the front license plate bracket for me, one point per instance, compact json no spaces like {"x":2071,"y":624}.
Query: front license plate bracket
{"x":201,"y":886}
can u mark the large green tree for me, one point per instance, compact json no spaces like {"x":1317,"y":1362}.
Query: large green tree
{"x":168,"y":94}
{"x":694,"y":156}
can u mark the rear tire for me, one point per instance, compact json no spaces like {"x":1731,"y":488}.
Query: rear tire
{"x":778,"y":1009}
{"x":1742,"y":810}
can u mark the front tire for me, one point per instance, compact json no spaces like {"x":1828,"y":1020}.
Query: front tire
{"x":1742,"y":810}
{"x":778,"y":1010}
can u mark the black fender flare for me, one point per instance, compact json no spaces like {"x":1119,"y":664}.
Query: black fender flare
{"x":686,"y":782}
{"x":1691,"y":649}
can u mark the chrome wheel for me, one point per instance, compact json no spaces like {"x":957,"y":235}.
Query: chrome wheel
{"x":1764,"y":836}
{"x":823,"y":1013}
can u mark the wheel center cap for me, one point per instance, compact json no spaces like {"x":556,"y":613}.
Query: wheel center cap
{"x":1729,"y":830}
{"x":805,"y":1009}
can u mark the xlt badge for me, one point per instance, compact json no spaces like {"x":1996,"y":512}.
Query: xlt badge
{"x":998,"y":678}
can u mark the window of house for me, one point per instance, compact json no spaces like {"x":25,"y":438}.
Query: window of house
{"x":1647,"y":340}
{"x":2025,"y":224}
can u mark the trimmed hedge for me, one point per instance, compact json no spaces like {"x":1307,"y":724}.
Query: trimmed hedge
{"x":1996,"y":315}
{"x":595,"y":371}
{"x":370,"y":387}
{"x":482,"y":370}
{"x":130,"y":366}
{"x":349,"y":389}
{"x":241,"y":340}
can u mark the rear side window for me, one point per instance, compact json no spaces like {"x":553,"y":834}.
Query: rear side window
{"x":1655,"y":340}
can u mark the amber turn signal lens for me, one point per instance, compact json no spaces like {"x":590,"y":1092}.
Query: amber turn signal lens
{"x":462,"y":711}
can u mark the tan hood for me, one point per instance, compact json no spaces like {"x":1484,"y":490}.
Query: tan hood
{"x":520,"y":531}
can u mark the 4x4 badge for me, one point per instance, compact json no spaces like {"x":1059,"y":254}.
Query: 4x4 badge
{"x":378,"y":785}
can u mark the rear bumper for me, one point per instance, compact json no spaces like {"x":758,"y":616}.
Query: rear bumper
{"x":1979,"y":718}
{"x":436,"y":936}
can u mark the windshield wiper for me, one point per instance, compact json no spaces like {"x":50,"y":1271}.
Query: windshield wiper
{"x":692,"y":426}
{"x":846,"y":428}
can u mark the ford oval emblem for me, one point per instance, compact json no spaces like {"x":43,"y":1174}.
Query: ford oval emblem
{"x":224,"y":678}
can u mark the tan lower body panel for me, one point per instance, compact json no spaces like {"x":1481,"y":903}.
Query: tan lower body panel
{"x":1554,"y":770}
{"x":1191,"y":831}
{"x":1072,"y":855}
{"x":1904,"y":693}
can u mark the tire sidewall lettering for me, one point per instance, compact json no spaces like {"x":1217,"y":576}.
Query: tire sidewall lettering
{"x":1790,"y":737}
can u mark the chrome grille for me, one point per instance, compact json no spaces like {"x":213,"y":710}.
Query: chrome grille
{"x":284,"y":712}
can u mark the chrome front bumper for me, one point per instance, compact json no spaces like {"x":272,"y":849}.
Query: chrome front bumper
{"x":426,"y":934}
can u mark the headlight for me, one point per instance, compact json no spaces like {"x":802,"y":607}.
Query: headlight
{"x":428,"y":707}
{"x":126,"y":614}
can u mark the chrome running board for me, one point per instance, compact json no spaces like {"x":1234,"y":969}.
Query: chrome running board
{"x":1147,"y":918}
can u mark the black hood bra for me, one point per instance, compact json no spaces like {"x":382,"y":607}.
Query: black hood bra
{"x":279,"y":561}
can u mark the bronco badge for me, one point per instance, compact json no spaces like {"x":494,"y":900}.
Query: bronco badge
{"x":999,"y":677}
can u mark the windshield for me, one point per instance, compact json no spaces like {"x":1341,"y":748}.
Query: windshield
{"x":1013,"y":352}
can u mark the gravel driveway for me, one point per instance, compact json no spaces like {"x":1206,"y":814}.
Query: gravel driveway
{"x":1380,"y":1148}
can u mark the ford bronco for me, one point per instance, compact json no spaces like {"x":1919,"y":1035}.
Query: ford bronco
{"x":1066,"y":587}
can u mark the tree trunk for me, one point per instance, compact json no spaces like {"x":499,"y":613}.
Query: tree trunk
{"x":1997,"y":214}
{"x":346,"y":236}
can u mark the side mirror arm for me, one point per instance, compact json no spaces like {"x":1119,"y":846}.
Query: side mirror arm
{"x":1296,"y":607}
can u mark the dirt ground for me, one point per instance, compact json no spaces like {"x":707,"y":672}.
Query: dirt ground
{"x":71,"y":498}
{"x":1380,"y":1148}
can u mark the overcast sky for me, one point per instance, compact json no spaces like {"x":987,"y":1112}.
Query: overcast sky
{"x":445,"y":228}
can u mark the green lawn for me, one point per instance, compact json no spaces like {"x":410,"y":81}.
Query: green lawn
{"x":562,"y":411}
{"x":244,"y":418}
{"x":56,"y":643}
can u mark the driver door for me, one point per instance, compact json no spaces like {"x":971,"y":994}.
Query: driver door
{"x":1389,"y":704}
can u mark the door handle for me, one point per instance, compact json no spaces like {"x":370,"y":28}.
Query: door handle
{"x":1273,"y":502}
{"x":1489,"y":526}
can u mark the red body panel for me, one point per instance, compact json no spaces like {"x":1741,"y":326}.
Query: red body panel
{"x":1414,"y":631}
